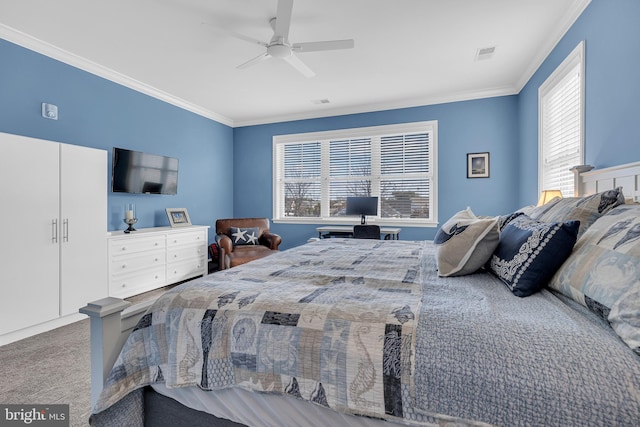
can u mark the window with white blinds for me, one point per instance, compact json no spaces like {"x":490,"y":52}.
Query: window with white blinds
{"x":314,"y":173}
{"x":561,"y":104}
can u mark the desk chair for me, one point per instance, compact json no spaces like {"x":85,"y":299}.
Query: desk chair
{"x":366,"y":232}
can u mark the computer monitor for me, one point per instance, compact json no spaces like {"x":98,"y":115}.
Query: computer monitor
{"x":362,"y":206}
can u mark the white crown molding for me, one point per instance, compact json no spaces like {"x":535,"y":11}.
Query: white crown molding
{"x":17,"y":37}
{"x":69,"y":58}
{"x":383,"y":106}
{"x":554,"y":38}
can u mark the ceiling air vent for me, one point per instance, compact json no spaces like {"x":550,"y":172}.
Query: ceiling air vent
{"x":485,"y":53}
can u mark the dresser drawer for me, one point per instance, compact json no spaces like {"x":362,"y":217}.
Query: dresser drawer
{"x":130,"y":262}
{"x":185,"y":270}
{"x":130,"y":284}
{"x":186,"y":238}
{"x":185,"y":253}
{"x":119,"y":247}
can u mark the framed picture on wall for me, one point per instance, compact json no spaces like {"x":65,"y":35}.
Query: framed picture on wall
{"x":478,"y":165}
{"x":178,"y":217}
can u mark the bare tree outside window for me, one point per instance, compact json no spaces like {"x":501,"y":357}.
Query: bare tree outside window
{"x":299,"y":200}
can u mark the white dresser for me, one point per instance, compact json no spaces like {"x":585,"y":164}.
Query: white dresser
{"x":150,"y":258}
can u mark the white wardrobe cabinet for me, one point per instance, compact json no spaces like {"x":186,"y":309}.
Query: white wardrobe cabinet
{"x":83,"y":196}
{"x":53,"y":251}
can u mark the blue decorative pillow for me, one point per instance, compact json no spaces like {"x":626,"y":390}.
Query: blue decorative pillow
{"x":530,"y":252}
{"x":244,"y":236}
{"x":503,"y":220}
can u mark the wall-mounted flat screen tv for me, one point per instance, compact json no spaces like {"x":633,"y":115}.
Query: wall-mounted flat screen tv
{"x":143,"y":173}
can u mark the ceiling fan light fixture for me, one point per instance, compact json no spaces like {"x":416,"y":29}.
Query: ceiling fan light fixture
{"x":279,"y":51}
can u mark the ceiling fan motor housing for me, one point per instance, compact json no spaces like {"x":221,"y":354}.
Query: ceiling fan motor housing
{"x":279,"y":50}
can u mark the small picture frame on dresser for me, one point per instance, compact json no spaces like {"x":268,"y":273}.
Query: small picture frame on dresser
{"x":178,"y":217}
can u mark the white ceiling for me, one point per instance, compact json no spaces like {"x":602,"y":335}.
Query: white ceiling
{"x":407,"y":52}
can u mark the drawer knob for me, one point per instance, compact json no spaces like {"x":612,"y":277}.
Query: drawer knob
{"x":156,"y":259}
{"x":124,"y":248}
{"x":124,"y":285}
{"x":156,"y":243}
{"x":124,"y":265}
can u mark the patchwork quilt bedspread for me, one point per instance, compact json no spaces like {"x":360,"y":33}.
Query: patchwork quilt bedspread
{"x":367,"y":328}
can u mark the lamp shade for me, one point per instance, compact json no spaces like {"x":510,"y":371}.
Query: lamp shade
{"x":547,"y":195}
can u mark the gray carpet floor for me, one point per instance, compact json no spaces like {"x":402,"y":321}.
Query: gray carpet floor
{"x":53,"y":367}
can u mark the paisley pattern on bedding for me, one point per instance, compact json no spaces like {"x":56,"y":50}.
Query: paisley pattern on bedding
{"x":368,"y":328}
{"x":603,"y":272}
{"x":584,"y":209}
{"x":328,"y":325}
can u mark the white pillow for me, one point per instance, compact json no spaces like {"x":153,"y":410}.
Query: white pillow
{"x":465,"y":243}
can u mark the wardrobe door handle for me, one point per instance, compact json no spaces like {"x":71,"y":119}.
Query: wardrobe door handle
{"x":65,"y":230}
{"x":54,"y":230}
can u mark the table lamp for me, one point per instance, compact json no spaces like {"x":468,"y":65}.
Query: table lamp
{"x":547,"y":195}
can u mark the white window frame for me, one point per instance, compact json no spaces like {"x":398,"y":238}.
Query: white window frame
{"x":575,"y":58}
{"x":324,"y":137}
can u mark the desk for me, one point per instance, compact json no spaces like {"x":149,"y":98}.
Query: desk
{"x":392,"y":233}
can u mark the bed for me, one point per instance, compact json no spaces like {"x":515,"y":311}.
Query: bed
{"x":367,"y":333}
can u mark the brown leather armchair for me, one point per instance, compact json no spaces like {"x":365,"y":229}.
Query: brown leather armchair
{"x":232,"y":255}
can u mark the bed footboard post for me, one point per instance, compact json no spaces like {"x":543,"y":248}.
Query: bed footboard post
{"x":105,"y":315}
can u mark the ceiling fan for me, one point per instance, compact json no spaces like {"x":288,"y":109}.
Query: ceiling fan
{"x":279,"y":46}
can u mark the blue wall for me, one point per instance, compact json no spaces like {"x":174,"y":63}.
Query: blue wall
{"x":98,"y":113}
{"x":226,"y":172}
{"x":507,"y":127}
{"x":463,"y":127}
{"x":612,"y":111}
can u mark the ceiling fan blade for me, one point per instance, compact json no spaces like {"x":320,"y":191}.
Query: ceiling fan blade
{"x":245,"y":38}
{"x":226,"y":31}
{"x":325,"y":45}
{"x":254,"y":61}
{"x":299,"y":65}
{"x":283,"y":19}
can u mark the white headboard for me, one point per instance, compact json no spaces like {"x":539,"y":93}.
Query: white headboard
{"x":627,"y":176}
